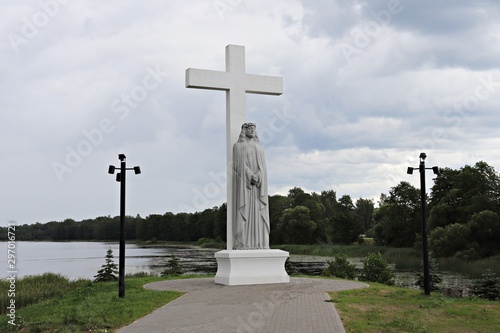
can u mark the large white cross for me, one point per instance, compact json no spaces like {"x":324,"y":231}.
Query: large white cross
{"x":236,"y":83}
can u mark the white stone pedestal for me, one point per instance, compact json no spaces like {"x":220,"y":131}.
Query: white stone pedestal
{"x":242,"y":267}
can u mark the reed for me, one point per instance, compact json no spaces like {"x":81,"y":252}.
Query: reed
{"x":470,"y":269}
{"x":36,"y":288}
{"x":330,"y":250}
{"x":404,"y":259}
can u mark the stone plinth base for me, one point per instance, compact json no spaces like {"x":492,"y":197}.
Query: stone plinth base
{"x":243,"y":267}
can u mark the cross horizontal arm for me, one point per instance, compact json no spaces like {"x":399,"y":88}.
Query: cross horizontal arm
{"x":207,"y":79}
{"x":218,"y":80}
{"x":266,"y":85}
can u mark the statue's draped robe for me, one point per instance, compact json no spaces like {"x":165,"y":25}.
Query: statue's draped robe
{"x":251,"y":211}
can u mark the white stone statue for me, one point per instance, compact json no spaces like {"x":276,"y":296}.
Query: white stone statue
{"x":250,"y":199}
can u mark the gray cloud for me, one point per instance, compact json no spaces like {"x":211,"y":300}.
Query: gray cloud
{"x":79,"y":88}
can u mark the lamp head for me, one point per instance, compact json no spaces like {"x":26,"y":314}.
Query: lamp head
{"x":435,"y":169}
{"x":121,"y":157}
{"x":118,"y":177}
{"x":409,"y":171}
{"x":111,"y":169}
{"x":422,"y":156}
{"x":137,"y":170}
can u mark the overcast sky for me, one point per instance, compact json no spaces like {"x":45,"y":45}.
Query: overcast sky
{"x":368,"y":85}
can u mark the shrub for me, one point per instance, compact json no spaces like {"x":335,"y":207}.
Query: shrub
{"x":435,"y":278}
{"x":488,"y":286}
{"x":108,"y":271}
{"x":376,"y":269}
{"x":173,"y":267}
{"x":340,"y":267}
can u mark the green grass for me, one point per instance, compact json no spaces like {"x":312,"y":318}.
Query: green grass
{"x":89,"y":307}
{"x":382,"y":308}
{"x":35,"y":288}
{"x":84,"y":306}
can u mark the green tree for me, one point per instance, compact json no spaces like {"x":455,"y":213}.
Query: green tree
{"x":296,"y":226}
{"x":329,"y":201}
{"x":317,"y":213}
{"x":277,"y":205}
{"x":298,"y":196}
{"x":346,"y":225}
{"x":397,"y":220}
{"x":364,"y":209}
{"x":487,"y":287}
{"x":434,"y":277}
{"x":485,"y":230}
{"x":220,"y":231}
{"x":459,"y":194}
{"x":108,"y":271}
{"x":464,"y":212}
{"x":447,"y":241}
{"x":107,"y":228}
{"x":173,"y":268}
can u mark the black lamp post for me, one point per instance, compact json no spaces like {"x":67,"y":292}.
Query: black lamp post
{"x":120,"y":177}
{"x":425,"y":242}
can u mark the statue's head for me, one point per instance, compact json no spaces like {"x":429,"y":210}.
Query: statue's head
{"x":248,"y":130}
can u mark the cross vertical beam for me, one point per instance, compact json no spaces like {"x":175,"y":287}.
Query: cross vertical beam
{"x":236,"y":83}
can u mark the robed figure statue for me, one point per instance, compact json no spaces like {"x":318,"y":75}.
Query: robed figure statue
{"x":251,"y":210}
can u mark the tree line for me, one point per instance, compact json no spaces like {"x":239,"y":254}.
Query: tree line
{"x":463,"y":218}
{"x":463,"y":214}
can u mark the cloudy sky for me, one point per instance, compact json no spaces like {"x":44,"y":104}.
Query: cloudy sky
{"x":368,"y":85}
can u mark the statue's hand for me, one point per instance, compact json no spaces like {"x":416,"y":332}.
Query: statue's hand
{"x":255,"y":180}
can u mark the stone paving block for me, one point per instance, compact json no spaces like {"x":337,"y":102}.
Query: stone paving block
{"x":298,"y":306}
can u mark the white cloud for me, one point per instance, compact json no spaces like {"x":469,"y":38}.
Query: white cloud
{"x":352,"y":125}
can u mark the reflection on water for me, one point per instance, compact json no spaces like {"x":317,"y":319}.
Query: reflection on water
{"x":193,"y":260}
{"x":84,"y":259}
{"x":77,"y":259}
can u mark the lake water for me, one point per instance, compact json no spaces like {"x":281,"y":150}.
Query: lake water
{"x":84,"y":259}
{"x":81,"y":259}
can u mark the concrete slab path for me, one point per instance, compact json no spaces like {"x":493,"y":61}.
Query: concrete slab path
{"x":297,"y":307}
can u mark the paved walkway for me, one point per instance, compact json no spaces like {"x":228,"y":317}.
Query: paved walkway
{"x":295,"y":307}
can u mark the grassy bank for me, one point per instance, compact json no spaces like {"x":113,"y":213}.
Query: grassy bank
{"x":381,"y":308}
{"x":36,"y":288}
{"x":87,"y":306}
